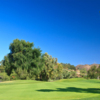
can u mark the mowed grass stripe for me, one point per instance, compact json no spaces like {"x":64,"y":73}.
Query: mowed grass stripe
{"x":51,"y":90}
{"x":46,"y":95}
{"x":14,"y":92}
{"x":70,"y":94}
{"x":20,"y":91}
{"x":57,"y":90}
{"x":5,"y":89}
{"x":81,"y":85}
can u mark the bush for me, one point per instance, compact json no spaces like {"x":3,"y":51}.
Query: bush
{"x":72,"y":74}
{"x":66,"y":74}
{"x":4,"y":77}
{"x":85,"y":77}
{"x":22,"y":74}
{"x":50,"y":80}
{"x":13,"y":76}
{"x":92,"y":73}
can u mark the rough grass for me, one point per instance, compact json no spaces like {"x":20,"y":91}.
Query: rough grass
{"x":66,"y":89}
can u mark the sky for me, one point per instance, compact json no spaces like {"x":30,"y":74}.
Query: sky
{"x":66,"y":29}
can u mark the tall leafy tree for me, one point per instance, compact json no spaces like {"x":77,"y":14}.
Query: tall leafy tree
{"x":23,"y":57}
{"x":59,"y":71}
{"x":49,"y":64}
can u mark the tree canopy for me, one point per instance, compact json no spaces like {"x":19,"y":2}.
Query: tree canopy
{"x":23,"y":57}
{"x":27,"y":62}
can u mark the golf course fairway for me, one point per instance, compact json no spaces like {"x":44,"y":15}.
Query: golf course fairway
{"x":65,"y":89}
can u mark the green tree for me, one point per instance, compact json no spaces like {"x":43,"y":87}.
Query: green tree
{"x":48,"y":69}
{"x":98,"y":72}
{"x":24,"y":57}
{"x":59,"y":71}
{"x":2,"y":69}
{"x":92,"y":72}
{"x":66,"y":74}
{"x":13,"y":75}
{"x":4,"y":77}
{"x":72,"y":74}
{"x":83,"y":72}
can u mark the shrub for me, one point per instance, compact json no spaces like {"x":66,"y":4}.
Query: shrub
{"x":14,"y":75}
{"x":4,"y":77}
{"x":66,"y":74}
{"x":22,"y":74}
{"x":72,"y":74}
{"x":92,"y":73}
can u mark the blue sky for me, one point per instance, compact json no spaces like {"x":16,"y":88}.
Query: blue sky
{"x":66,"y":29}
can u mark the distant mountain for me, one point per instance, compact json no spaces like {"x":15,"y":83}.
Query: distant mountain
{"x":86,"y":66}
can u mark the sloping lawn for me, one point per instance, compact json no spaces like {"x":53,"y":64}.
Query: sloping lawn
{"x":66,"y":89}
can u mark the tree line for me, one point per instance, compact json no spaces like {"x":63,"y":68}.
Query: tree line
{"x":27,"y":62}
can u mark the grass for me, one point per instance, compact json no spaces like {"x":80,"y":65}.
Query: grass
{"x":65,"y":89}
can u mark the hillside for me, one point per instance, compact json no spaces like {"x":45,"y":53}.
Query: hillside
{"x":86,"y":66}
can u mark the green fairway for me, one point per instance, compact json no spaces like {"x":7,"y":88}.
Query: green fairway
{"x":58,"y":90}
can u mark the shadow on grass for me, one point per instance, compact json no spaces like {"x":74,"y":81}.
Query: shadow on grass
{"x":73,"y":89}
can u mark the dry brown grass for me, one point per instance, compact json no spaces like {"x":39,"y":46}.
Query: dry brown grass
{"x":86,"y":66}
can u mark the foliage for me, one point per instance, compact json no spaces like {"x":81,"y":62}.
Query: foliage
{"x":48,"y":69}
{"x":98,"y":72}
{"x":72,"y":74}
{"x":2,"y":69}
{"x":83,"y":72}
{"x":66,"y":74}
{"x":4,"y":77}
{"x":92,"y":72}
{"x":14,"y":76}
{"x":27,"y":62}
{"x":23,"y":59}
{"x":68,"y":66}
{"x":59,"y":71}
